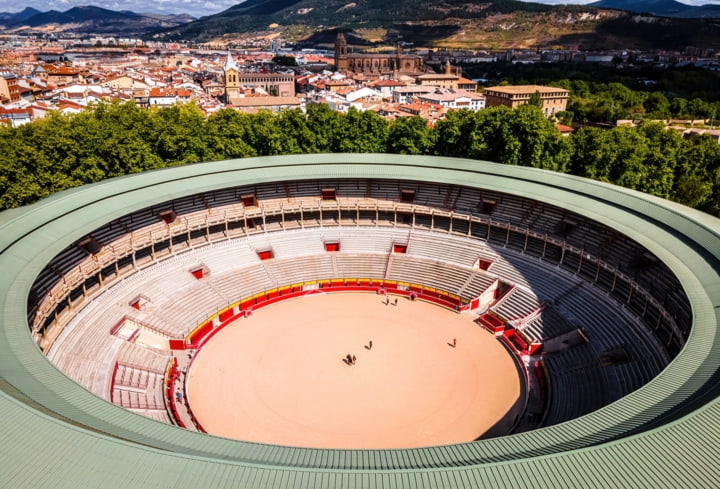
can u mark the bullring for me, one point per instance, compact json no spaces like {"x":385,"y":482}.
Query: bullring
{"x":650,"y":436}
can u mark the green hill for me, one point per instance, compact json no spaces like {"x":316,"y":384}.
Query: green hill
{"x":491,"y":24}
{"x":258,"y":16}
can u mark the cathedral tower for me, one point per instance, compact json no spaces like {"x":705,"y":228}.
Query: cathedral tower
{"x":341,"y":58}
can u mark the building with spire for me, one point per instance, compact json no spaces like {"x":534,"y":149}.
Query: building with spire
{"x":271,"y":84}
{"x":233,"y":89}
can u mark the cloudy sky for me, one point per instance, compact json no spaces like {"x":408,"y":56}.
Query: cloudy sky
{"x":192,"y":7}
{"x":196,"y":8}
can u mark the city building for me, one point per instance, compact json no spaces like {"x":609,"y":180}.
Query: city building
{"x":9,"y":88}
{"x":404,"y":95}
{"x":274,"y":84}
{"x":376,"y":65}
{"x":454,"y":99}
{"x":552,"y":99}
{"x":15,"y":117}
{"x":272,"y":104}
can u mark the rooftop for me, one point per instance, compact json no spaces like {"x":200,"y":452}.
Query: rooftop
{"x":525,"y":89}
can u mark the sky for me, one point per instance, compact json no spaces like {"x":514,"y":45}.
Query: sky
{"x":192,"y":7}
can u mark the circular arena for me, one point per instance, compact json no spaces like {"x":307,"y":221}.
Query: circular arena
{"x":603,"y":304}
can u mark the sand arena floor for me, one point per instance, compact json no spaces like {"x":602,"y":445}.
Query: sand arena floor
{"x":278,"y":376}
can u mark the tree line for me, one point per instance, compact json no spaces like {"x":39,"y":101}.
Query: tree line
{"x":604,"y":94}
{"x":63,"y":151}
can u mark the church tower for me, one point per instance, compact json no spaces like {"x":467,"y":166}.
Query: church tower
{"x":341,"y":57}
{"x":232,"y":80}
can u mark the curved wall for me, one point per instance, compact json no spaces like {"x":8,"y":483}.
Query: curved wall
{"x":49,"y":418}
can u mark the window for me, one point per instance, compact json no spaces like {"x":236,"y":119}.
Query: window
{"x":168,"y":216}
{"x":407,"y":196}
{"x":487,"y":206}
{"x":249,"y":200}
{"x":90,"y":244}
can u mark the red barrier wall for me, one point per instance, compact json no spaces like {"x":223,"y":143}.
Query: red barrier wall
{"x":199,"y":333}
{"x":203,"y":333}
{"x":493,"y":323}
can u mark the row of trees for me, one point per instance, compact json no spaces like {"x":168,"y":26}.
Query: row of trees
{"x":608,"y":102}
{"x":63,"y":151}
{"x":600,"y":93}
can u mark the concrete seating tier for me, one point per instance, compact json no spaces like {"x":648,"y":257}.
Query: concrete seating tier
{"x":447,"y":248}
{"x":517,"y":304}
{"x":443,"y":276}
{"x":241,"y":283}
{"x":136,"y":356}
{"x":139,"y":378}
{"x":532,"y":274}
{"x":176,"y":301}
{"x":359,"y":265}
{"x":86,"y":349}
{"x":577,"y":384}
{"x":289,"y":271}
{"x":549,"y":323}
{"x":609,"y":328}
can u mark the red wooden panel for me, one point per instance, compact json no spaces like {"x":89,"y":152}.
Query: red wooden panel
{"x":225,"y":315}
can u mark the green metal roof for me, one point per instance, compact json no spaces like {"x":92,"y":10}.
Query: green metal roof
{"x":58,"y":434}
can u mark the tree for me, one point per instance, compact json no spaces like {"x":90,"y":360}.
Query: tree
{"x":615,"y":156}
{"x":661,"y":159}
{"x":293,"y":124}
{"x":284,"y":60}
{"x":225,"y":135}
{"x":565,"y":117}
{"x":697,"y":177}
{"x":114,"y":139}
{"x":458,"y":134}
{"x":410,"y":135}
{"x":657,"y":106}
{"x":322,"y":121}
{"x":360,"y":132}
{"x":539,"y":144}
{"x":180,"y":134}
{"x":264,"y":136}
{"x":536,"y":100}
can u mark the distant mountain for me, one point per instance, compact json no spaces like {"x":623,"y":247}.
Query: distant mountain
{"x":488,"y":24}
{"x":43,"y":18}
{"x":91,"y":20}
{"x":18,"y":16}
{"x":665,"y":8}
{"x":259,"y":15}
{"x":702,"y":11}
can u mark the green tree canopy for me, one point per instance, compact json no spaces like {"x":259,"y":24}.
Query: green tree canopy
{"x":410,"y":135}
{"x":112,"y":139}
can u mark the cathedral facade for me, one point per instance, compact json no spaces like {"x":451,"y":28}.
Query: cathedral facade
{"x":376,"y":65}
